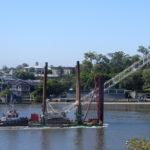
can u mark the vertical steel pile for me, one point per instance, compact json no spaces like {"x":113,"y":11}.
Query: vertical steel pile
{"x":100,"y":99}
{"x":99,"y":95}
{"x":44,"y":93}
{"x":79,"y":110}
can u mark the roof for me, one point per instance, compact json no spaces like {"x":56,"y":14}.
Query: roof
{"x":62,"y":67}
{"x":36,"y":67}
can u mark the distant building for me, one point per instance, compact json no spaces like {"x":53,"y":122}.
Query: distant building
{"x":59,"y":71}
{"x":12,"y":70}
{"x":56,"y":71}
{"x":1,"y":84}
{"x":33,"y":83}
{"x":34,"y":69}
{"x":19,"y":88}
{"x":53,"y":72}
{"x":68,"y":70}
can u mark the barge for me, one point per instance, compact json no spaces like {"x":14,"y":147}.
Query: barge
{"x":53,"y":118}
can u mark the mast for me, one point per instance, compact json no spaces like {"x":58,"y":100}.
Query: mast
{"x":79,"y":111}
{"x":44,"y":93}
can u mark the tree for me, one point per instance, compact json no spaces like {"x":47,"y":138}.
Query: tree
{"x":146,"y":78}
{"x":143,"y":50}
{"x":5,"y":68}
{"x":94,"y":63}
{"x":86,"y":66}
{"x":135,"y":58}
{"x":119,"y":61}
{"x":20,"y":67}
{"x":67,"y":81}
{"x":86,"y":81}
{"x":90,"y":56}
{"x":53,"y":87}
{"x":138,"y":144}
{"x":6,"y":93}
{"x":24,"y":75}
{"x":101,"y":65}
{"x":133,"y":82}
{"x":24,"y":65}
{"x":36,"y":63}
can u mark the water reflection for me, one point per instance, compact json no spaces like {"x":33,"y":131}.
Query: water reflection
{"x":12,"y":136}
{"x":45,"y":140}
{"x":78,"y":139}
{"x":87,"y":139}
{"x":99,"y":139}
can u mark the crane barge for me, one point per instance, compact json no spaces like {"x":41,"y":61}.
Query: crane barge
{"x":52,"y":118}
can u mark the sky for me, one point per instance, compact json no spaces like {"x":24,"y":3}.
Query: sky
{"x":61,"y":31}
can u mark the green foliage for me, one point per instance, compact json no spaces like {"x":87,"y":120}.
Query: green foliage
{"x":113,"y":63}
{"x":19,"y":67}
{"x":86,"y":81}
{"x":24,"y":65}
{"x":90,"y":56}
{"x":143,"y":50}
{"x":24,"y":75}
{"x":146,"y":78}
{"x":138,"y":144}
{"x":86,"y":66}
{"x":133,"y":82}
{"x":36,"y":63}
{"x":67,"y":81}
{"x":135,"y":58}
{"x":53,"y":87}
{"x":5,"y":69}
{"x":98,"y":64}
{"x":5,"y":92}
{"x":119,"y":61}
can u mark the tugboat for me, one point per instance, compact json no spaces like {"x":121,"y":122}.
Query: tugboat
{"x":12,"y":118}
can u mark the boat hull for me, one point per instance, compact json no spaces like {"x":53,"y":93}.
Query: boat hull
{"x":18,"y":122}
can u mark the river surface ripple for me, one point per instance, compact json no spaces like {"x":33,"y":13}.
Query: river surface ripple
{"x":121,"y":123}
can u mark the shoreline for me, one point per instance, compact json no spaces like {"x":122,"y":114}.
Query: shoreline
{"x":105,"y":103}
{"x":110,"y":103}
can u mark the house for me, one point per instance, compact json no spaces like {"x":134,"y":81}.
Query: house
{"x":38,"y":71}
{"x":12,"y":70}
{"x":33,"y":83}
{"x":56,"y":71}
{"x":34,"y":69}
{"x":68,"y":70}
{"x":59,"y":71}
{"x":19,"y":88}
{"x":53,"y":72}
{"x":1,"y":84}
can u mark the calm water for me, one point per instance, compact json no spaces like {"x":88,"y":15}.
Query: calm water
{"x":122,"y":122}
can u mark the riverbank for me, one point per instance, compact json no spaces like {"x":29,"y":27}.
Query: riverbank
{"x":106,"y":103}
{"x":72,"y":100}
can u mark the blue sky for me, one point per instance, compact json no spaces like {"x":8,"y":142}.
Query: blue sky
{"x":61,"y":31}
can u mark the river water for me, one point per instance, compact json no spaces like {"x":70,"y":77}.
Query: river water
{"x":121,"y":123}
